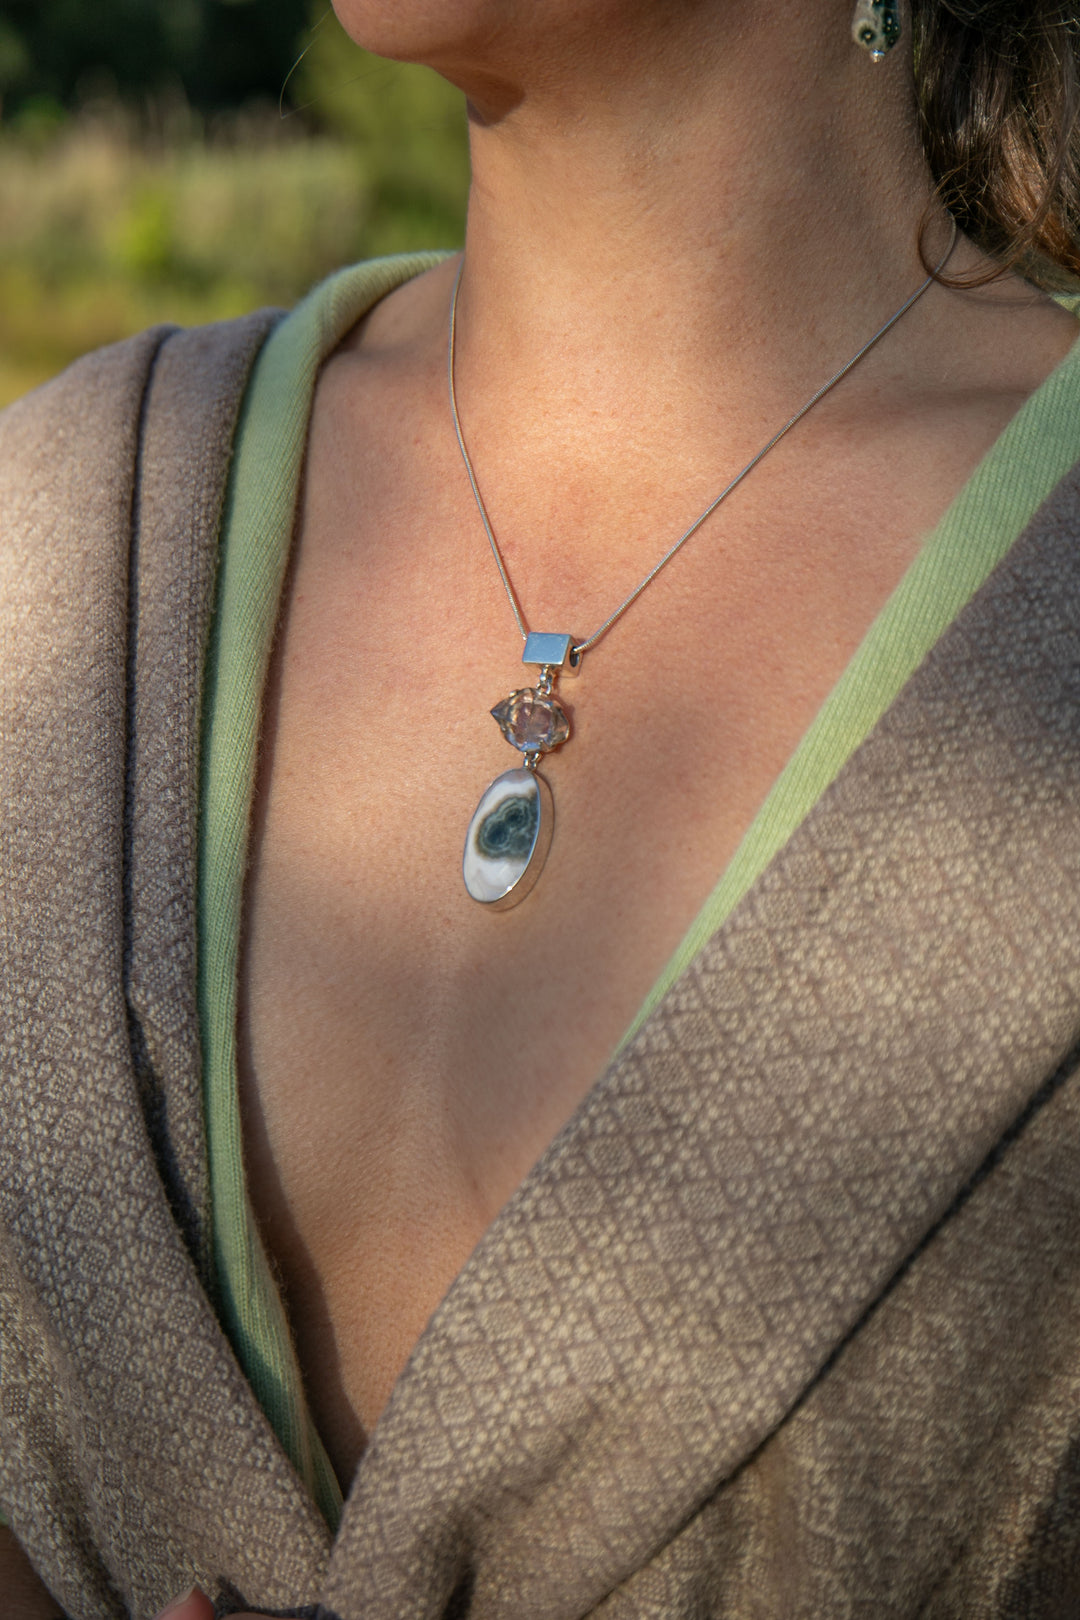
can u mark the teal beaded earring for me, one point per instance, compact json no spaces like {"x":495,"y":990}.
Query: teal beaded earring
{"x":876,"y":26}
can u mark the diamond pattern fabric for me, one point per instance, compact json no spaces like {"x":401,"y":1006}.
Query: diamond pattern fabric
{"x":133,"y":1457}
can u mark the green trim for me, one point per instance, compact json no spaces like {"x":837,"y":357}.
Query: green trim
{"x":257,"y":526}
{"x":1017,"y":474}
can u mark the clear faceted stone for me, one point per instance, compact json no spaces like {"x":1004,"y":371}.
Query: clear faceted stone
{"x":532,"y":722}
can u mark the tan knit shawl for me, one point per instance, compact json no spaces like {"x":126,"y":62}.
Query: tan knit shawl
{"x":786,"y":1323}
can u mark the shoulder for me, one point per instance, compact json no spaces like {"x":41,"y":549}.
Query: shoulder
{"x":89,"y":417}
{"x":112,"y":481}
{"x":75,"y":452}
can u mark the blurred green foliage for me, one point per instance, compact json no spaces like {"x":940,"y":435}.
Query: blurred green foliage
{"x":219,"y":53}
{"x":124,"y":208}
{"x":410,"y":124}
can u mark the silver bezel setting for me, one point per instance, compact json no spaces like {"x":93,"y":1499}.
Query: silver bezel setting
{"x":475,"y":866}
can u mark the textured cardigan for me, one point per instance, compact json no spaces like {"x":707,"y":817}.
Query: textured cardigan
{"x":785,"y":1324}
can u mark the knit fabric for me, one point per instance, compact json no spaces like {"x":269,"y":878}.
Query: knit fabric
{"x":133,"y":1456}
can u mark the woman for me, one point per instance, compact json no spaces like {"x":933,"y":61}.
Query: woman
{"x":778,"y":1317}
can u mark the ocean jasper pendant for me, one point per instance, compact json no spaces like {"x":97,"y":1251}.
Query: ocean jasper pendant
{"x":510,"y":833}
{"x":508,"y":839}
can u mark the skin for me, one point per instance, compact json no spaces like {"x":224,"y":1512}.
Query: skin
{"x":686,"y":214}
{"x":24,"y":1596}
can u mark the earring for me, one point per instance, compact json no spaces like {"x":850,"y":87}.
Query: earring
{"x":876,"y":26}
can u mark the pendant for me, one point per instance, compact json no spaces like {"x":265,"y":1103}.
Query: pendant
{"x":508,"y":839}
{"x":510,"y":832}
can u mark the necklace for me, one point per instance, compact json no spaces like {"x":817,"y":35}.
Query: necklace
{"x":510,"y":832}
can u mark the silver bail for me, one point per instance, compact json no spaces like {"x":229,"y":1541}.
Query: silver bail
{"x":555,"y":651}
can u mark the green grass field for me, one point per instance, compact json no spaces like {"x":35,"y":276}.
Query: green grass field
{"x":109,"y":224}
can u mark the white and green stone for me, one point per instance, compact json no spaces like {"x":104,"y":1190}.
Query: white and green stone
{"x":508,"y":839}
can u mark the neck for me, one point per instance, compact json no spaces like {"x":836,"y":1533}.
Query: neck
{"x":661,"y":216}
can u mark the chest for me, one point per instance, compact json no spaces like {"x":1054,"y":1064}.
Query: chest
{"x":407,"y":1054}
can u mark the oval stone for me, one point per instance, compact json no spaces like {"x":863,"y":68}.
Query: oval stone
{"x":508,"y":839}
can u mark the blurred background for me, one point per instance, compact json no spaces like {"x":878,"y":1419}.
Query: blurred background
{"x":186,"y":160}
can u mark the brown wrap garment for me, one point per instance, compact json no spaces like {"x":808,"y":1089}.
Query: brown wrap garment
{"x":785,"y":1325}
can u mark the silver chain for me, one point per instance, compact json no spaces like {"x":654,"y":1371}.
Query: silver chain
{"x":590,"y":641}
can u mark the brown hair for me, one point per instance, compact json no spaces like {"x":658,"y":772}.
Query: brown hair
{"x":998,"y":87}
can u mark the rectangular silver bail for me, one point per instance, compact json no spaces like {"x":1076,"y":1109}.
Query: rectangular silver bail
{"x":544,"y":647}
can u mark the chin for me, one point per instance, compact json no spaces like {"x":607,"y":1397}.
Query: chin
{"x":428,"y":31}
